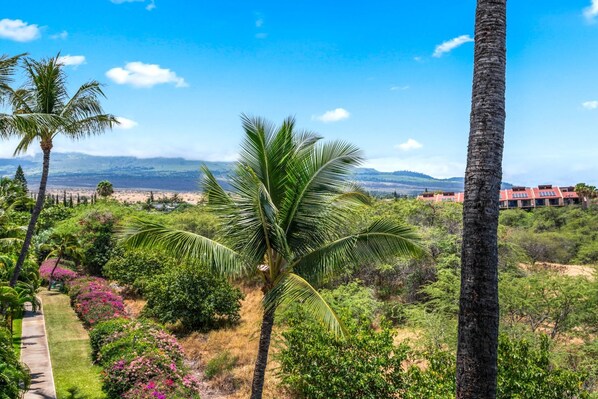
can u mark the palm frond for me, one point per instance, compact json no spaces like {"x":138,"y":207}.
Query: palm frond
{"x":313,"y":179}
{"x":183,"y":244}
{"x":380,"y":241}
{"x":293,"y":289}
{"x":215,"y":194}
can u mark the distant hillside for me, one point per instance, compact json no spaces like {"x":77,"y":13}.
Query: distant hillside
{"x":178,"y":174}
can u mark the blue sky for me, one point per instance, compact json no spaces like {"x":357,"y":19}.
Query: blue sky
{"x":393,"y":77}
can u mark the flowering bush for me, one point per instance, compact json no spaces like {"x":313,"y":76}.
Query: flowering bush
{"x":165,"y":388}
{"x":60,"y":274}
{"x":138,"y":376}
{"x":94,"y":301}
{"x":140,"y":360}
{"x":136,"y":339}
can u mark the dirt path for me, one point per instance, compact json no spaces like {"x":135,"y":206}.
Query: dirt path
{"x":35,"y":354}
{"x":567,"y":270}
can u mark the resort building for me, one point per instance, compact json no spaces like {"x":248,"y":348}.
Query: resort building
{"x":518,"y":197}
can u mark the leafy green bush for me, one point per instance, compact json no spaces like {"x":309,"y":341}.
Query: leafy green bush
{"x":103,"y":332}
{"x":14,"y":376}
{"x":355,"y":299}
{"x":98,"y":240}
{"x":315,"y":364}
{"x":219,"y":364}
{"x":524,"y":372}
{"x":129,"y":266}
{"x":192,"y":295}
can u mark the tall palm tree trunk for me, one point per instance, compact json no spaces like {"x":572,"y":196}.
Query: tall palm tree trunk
{"x":39,"y":204}
{"x":478,"y":304}
{"x":259,"y":373}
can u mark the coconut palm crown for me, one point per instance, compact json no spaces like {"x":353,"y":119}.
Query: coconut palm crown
{"x":285,"y":220}
{"x":52,"y":112}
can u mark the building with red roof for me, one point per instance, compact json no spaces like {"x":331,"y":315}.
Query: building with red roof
{"x":518,"y":197}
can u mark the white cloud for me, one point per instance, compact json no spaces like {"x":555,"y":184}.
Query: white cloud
{"x":590,"y":104}
{"x":410,"y":144}
{"x":138,"y":74}
{"x":335,"y":115}
{"x":62,"y":35}
{"x":19,"y":31}
{"x":125,"y":123}
{"x":72,"y":60}
{"x":151,"y":4}
{"x":450,"y":45}
{"x":436,"y":166}
{"x":591,"y":11}
{"x":261,"y":35}
{"x":399,"y":88}
{"x":259,"y":22}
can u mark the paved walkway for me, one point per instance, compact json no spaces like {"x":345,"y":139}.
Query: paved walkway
{"x":35,"y":354}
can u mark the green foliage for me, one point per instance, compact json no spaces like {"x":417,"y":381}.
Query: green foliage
{"x":20,"y":178}
{"x":98,"y":240}
{"x":102,"y":332}
{"x":105,"y":189}
{"x":524,"y":372}
{"x":315,"y":364}
{"x":221,"y":363}
{"x":355,"y":300}
{"x":192,"y":295}
{"x":14,"y":376}
{"x":548,"y":302}
{"x":133,"y":266}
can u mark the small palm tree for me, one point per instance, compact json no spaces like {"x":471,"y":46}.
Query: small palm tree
{"x":286,"y":220}
{"x":45,"y":96}
{"x":105,"y":189}
{"x":63,"y":247}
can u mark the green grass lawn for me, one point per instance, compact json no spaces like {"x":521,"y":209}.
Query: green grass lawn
{"x":69,"y":348}
{"x":17,"y":329}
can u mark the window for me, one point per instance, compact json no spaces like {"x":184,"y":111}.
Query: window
{"x":547,"y":194}
{"x":519,"y":195}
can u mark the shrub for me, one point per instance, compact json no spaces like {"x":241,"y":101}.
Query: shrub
{"x":524,"y":372}
{"x":97,"y":240}
{"x":165,"y":388}
{"x":137,"y":339}
{"x":129,"y":265}
{"x":103,"y":332}
{"x":94,"y":301}
{"x":194,"y":296}
{"x":60,"y":274}
{"x":14,"y":376}
{"x":315,"y":364}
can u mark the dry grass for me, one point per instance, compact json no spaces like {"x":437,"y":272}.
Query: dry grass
{"x":241,"y":342}
{"x":567,"y":270}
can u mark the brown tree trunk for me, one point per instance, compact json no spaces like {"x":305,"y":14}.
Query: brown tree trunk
{"x":52,"y":272}
{"x":478,"y":303}
{"x":39,"y":204}
{"x":259,"y":373}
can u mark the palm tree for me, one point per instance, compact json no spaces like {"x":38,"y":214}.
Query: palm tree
{"x":286,"y":220}
{"x":585,"y":193}
{"x":105,"y":189}
{"x":65,"y":246}
{"x":478,"y":303}
{"x":45,"y":96}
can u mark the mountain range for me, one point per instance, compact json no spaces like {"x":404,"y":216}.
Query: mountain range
{"x":77,"y":170}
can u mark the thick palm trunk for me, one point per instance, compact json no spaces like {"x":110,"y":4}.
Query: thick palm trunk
{"x":478,"y":305}
{"x":259,"y":373}
{"x":39,"y":204}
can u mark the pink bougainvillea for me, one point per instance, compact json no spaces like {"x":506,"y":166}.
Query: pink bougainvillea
{"x":94,"y":301}
{"x":155,"y":370}
{"x":60,"y":273}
